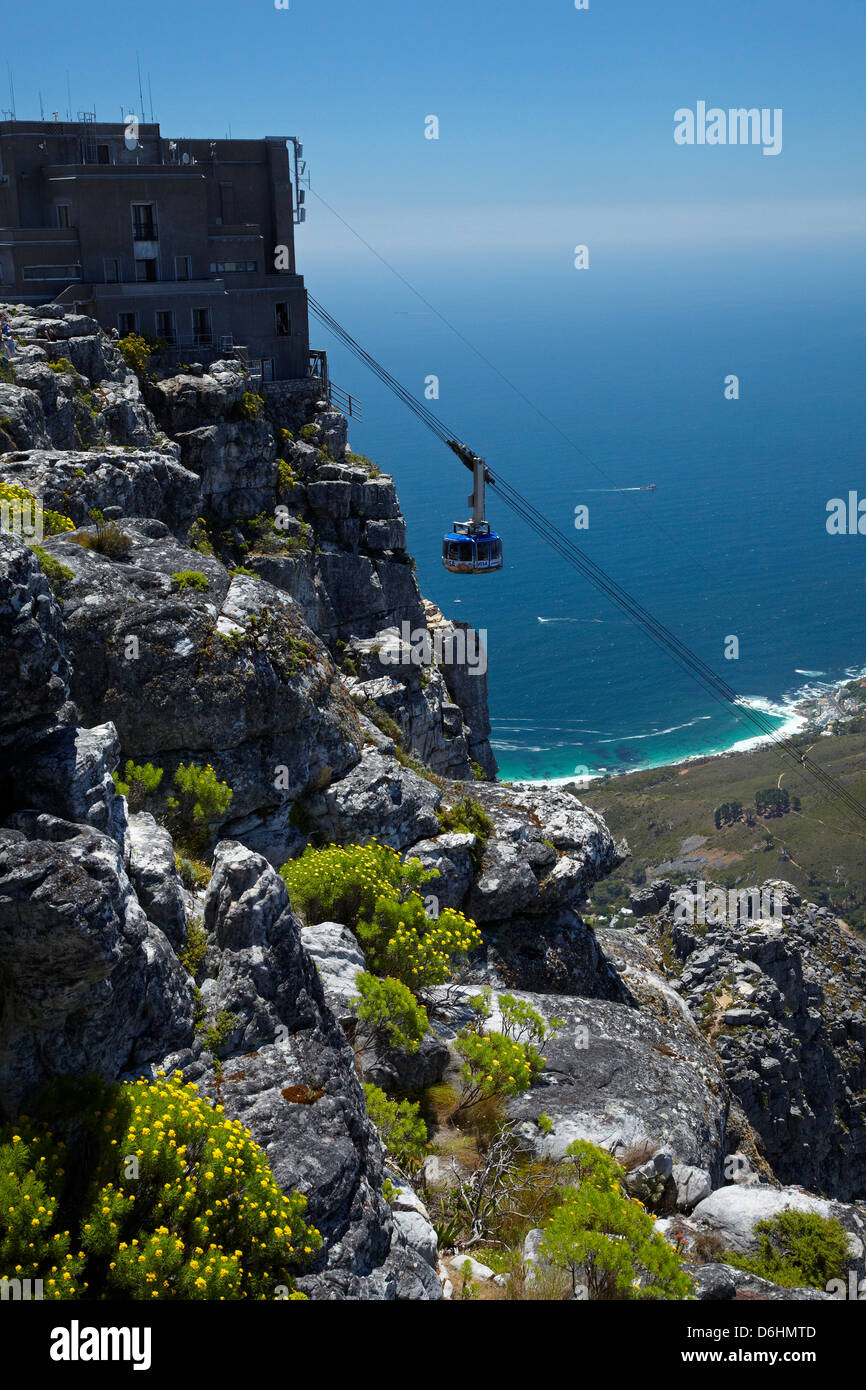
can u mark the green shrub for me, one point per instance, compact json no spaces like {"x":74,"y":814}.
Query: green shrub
{"x":384,"y":723}
{"x":8,"y":374}
{"x":108,"y":539}
{"x":797,"y":1249}
{"x":216,"y":1036}
{"x":309,"y":433}
{"x":605,"y":1240}
{"x":370,"y":889}
{"x":189,"y":579}
{"x":192,"y":957}
{"x":201,"y":799}
{"x":495,"y":1067}
{"x":468,"y":816}
{"x":139,"y":784}
{"x":194,"y":873}
{"x":388,"y":1012}
{"x":135,"y":352}
{"x":150,"y":1193}
{"x":199,"y":538}
{"x":518,"y":1019}
{"x":401,"y":1128}
{"x":62,"y":365}
{"x":56,"y":573}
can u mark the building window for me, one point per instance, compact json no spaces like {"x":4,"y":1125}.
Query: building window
{"x":127,"y":323}
{"x":63,"y":214}
{"x":145,"y":269}
{"x":144,"y":222}
{"x":267,"y":369}
{"x":233,"y":267}
{"x":283,"y":322}
{"x":51,"y":272}
{"x":112,"y":270}
{"x":182,"y":268}
{"x":165,"y":326}
{"x":103,"y":154}
{"x":201,"y":329}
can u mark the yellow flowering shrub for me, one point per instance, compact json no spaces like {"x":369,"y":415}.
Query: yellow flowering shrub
{"x":402,"y":941}
{"x":181,"y":1203}
{"x":21,"y":505}
{"x":341,"y":883}
{"x":31,"y":1182}
{"x":370,"y":889}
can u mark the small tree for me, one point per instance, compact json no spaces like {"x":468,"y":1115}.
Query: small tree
{"x":388,"y":1013}
{"x":400,"y":1127}
{"x":606,"y":1241}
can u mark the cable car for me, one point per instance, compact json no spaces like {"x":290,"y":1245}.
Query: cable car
{"x":471,"y":547}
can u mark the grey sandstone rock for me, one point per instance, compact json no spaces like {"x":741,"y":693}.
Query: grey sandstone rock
{"x":339,"y":961}
{"x":156,"y":881}
{"x":88,"y":984}
{"x":34,"y":669}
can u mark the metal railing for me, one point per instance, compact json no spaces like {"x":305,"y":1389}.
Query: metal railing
{"x":350,"y":405}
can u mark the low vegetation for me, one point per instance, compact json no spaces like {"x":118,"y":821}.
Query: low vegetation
{"x":189,"y":579}
{"x":657,"y":810}
{"x":796,"y":1249}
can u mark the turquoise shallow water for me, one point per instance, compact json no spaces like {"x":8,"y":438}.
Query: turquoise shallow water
{"x":732,"y":541}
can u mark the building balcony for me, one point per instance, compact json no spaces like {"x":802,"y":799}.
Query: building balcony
{"x":38,"y":236}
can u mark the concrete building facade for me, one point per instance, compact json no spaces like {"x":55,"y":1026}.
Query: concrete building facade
{"x":187,"y":241}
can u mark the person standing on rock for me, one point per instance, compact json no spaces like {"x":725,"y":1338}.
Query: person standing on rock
{"x":7,"y":345}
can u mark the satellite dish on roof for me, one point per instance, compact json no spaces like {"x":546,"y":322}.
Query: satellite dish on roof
{"x":185,"y":159}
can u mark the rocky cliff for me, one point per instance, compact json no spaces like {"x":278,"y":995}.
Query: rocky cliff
{"x":230,"y":590}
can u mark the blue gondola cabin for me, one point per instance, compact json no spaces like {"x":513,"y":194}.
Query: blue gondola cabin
{"x":471,"y":548}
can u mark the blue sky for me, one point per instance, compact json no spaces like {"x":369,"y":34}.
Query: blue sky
{"x":556,"y":125}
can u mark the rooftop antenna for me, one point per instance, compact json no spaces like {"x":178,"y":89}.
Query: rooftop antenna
{"x":11,"y":89}
{"x":150,"y":98}
{"x":140,"y":93}
{"x":68,"y":98}
{"x":41,"y":108}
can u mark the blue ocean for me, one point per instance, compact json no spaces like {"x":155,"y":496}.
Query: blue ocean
{"x":629,"y":360}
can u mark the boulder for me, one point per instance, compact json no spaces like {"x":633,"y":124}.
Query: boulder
{"x":784,"y":1000}
{"x":731,"y":1213}
{"x":157,"y":883}
{"x":34,"y":668}
{"x":88,"y":984}
{"x":228,"y":675}
{"x":339,"y":961}
{"x":449,"y":856}
{"x":693,"y":1185}
{"x":142,"y":482}
{"x":68,"y":774}
{"x":379,"y":799}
